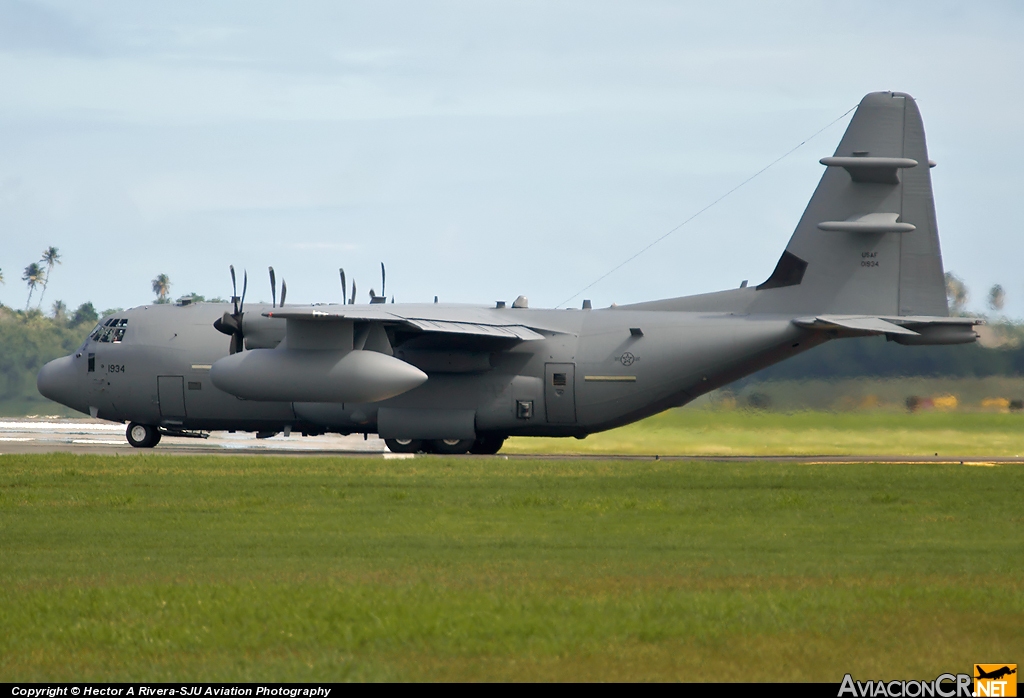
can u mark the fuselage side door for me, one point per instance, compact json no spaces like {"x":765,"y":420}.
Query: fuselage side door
{"x":560,"y":393}
{"x":171,"y":390}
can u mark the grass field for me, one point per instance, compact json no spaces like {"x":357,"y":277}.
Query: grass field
{"x":712,"y":432}
{"x":257,"y":568}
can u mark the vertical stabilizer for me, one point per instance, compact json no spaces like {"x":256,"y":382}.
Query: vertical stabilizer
{"x":867,"y":242}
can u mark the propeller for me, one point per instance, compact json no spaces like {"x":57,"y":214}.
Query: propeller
{"x":344,"y":287}
{"x":353,"y":300}
{"x":273,"y":287}
{"x":382,"y":298}
{"x":284,"y":291}
{"x":231,"y":323}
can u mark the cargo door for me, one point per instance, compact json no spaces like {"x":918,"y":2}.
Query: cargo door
{"x":171,"y":390}
{"x":560,"y":393}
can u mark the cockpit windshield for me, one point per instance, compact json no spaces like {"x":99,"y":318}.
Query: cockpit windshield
{"x":111,"y":330}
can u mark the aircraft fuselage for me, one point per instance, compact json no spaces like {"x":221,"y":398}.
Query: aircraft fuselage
{"x":593,"y":370}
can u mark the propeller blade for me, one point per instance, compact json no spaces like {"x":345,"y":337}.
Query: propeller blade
{"x":353,"y":301}
{"x":383,"y":276}
{"x":284,"y":291}
{"x":273,"y":287}
{"x":344,"y":287}
{"x":234,"y":287}
{"x":245,"y":285}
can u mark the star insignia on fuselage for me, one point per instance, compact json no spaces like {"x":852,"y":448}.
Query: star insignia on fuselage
{"x":627,"y":359}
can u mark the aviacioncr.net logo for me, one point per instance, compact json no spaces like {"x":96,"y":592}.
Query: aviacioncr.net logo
{"x":943,"y":686}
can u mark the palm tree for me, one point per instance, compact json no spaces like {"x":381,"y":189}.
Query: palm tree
{"x":51,"y":256}
{"x":161,"y":287}
{"x":996,"y":297}
{"x":33,"y":276}
{"x":60,"y":311}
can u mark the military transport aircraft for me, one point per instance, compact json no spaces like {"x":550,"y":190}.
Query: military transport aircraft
{"x":864,"y":260}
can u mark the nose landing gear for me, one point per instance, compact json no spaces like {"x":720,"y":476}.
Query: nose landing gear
{"x":143,"y":435}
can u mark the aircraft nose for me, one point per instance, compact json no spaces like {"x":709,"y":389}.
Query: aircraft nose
{"x":56,"y":380}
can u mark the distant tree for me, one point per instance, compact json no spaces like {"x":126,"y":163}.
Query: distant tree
{"x":2,"y":276}
{"x":51,"y":256}
{"x":956,"y":293}
{"x":59,"y":311}
{"x":85,"y":313}
{"x":162,"y":287}
{"x":33,"y":276}
{"x":996,"y":298}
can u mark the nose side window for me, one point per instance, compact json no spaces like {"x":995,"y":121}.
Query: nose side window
{"x":92,"y":363}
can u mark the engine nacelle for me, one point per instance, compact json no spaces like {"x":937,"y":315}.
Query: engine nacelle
{"x":310,"y":375}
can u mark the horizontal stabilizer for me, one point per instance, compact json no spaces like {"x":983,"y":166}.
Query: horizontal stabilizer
{"x":865,"y":325}
{"x":903,"y":329}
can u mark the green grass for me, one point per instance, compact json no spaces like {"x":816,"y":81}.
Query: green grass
{"x":153,"y":567}
{"x":713,"y":432}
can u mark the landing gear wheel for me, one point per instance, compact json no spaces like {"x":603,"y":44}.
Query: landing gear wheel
{"x":487,"y":445}
{"x":142,"y":435}
{"x":451,"y":447}
{"x":404,"y":445}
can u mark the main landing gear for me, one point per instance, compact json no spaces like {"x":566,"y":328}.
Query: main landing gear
{"x":143,"y":435}
{"x":484,"y":445}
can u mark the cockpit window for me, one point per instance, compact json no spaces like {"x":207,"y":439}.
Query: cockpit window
{"x":111,"y":330}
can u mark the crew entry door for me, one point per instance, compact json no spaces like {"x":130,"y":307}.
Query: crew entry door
{"x":171,"y":390}
{"x":560,"y":393}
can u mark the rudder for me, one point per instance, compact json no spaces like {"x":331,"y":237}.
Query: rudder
{"x":867,"y":242}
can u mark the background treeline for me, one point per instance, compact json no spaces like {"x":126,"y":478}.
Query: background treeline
{"x":875,"y":357}
{"x":27,"y":341}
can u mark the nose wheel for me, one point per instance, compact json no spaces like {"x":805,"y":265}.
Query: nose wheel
{"x":143,"y":435}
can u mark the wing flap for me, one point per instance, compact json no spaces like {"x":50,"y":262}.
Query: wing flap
{"x":501,"y":331}
{"x":424,"y":324}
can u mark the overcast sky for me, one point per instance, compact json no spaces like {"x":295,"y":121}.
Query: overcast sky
{"x":481,"y":149}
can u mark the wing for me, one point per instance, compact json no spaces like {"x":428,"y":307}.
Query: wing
{"x":413,"y":326}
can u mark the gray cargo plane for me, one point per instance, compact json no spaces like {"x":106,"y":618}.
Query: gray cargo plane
{"x":864,"y":260}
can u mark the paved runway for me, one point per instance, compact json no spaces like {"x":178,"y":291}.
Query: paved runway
{"x":89,"y":436}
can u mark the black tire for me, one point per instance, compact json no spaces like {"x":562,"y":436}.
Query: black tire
{"x":487,"y":445}
{"x":404,"y":445}
{"x":142,"y":435}
{"x":451,"y":447}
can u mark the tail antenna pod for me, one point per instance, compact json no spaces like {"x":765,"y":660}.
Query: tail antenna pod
{"x":344,"y":286}
{"x":273,"y":287}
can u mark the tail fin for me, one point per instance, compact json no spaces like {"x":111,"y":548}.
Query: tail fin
{"x":867,"y":242}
